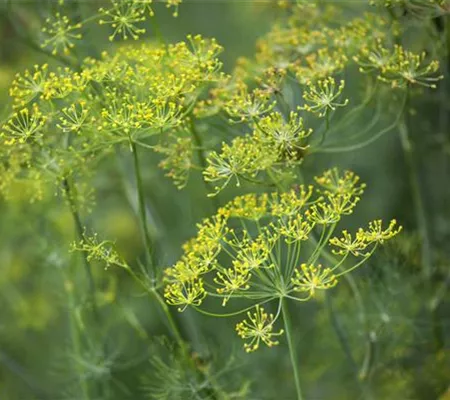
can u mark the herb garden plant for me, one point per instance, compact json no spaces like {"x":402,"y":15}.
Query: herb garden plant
{"x":181,"y":212}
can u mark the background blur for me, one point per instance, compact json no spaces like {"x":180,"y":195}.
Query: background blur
{"x":394,"y":341}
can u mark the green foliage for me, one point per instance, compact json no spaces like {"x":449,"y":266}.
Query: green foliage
{"x":128,"y":132}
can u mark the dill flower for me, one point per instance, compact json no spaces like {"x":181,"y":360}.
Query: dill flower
{"x":296,"y":229}
{"x":357,"y":33}
{"x":310,"y":278}
{"x":274,"y":145}
{"x":259,"y":260}
{"x":349,"y":245}
{"x":321,"y":66}
{"x":62,"y":83}
{"x":74,"y":118}
{"x":24,"y":124}
{"x":377,"y":234}
{"x":197,"y":58}
{"x":178,"y":159}
{"x":408,"y":68}
{"x":185,"y":294}
{"x":249,"y":206}
{"x":188,"y":268}
{"x":333,"y":182}
{"x":322,"y":213}
{"x":123,"y":17}
{"x":244,"y":158}
{"x":232,"y":280}
{"x":62,"y":34}
{"x":292,"y":202}
{"x":288,"y":138}
{"x":99,"y":250}
{"x":374,"y":57}
{"x":256,"y":328}
{"x":341,"y":191}
{"x":173,"y":4}
{"x":143,"y":6}
{"x":29,"y":86}
{"x":321,"y":97}
{"x":245,"y":106}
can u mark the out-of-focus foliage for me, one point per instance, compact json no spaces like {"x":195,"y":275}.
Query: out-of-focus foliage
{"x":157,"y":217}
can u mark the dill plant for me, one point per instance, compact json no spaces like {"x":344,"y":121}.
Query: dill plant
{"x":275,"y":114}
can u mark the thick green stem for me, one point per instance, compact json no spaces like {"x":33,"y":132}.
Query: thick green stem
{"x":143,"y":211}
{"x":292,"y":352}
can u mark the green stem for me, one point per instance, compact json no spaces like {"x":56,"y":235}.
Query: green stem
{"x":342,"y":337}
{"x":75,"y":335}
{"x":421,"y":218}
{"x":421,"y":221}
{"x":203,"y":163}
{"x":172,"y":324}
{"x":292,"y":353}
{"x":327,"y":128}
{"x":344,"y":343}
{"x":368,"y":141}
{"x":79,"y":232}
{"x":143,"y":211}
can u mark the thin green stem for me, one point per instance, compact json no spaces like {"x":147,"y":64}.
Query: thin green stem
{"x":327,"y":128}
{"x":421,"y":218}
{"x":75,"y":335}
{"x":203,"y":163}
{"x":79,"y":232}
{"x":232,"y":314}
{"x":173,"y":325}
{"x":143,"y":211}
{"x":292,"y":352}
{"x":368,"y":141}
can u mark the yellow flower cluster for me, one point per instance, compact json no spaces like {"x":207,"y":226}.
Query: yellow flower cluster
{"x":256,"y":328}
{"x":398,"y":66}
{"x":309,"y":278}
{"x":265,"y":247}
{"x":29,"y":85}
{"x":23,"y":125}
{"x":134,"y":93}
{"x":178,"y":159}
{"x":321,"y":96}
{"x":276,"y":143}
{"x":61,"y":34}
{"x":99,"y":250}
{"x":123,"y":17}
{"x":259,"y":92}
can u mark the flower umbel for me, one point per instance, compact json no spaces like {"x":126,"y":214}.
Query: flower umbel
{"x":256,"y":328}
{"x":321,"y":97}
{"x":310,"y":278}
{"x":183,"y":294}
{"x":61,"y":34}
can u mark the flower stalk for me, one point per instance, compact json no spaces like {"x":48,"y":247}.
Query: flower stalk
{"x":292,"y":350}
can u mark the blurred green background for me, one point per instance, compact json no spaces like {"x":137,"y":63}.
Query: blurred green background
{"x":394,"y":340}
